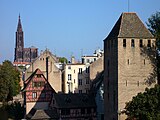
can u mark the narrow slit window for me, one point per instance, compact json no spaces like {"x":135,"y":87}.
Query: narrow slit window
{"x":126,"y":82}
{"x":124,"y":42}
{"x":141,"y":43}
{"x":149,"y":44}
{"x":144,"y":62}
{"x":137,"y":83}
{"x":132,"y":43}
{"x":128,"y":61}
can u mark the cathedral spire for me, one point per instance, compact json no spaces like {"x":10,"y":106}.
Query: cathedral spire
{"x":19,"y":43}
{"x":19,"y":27}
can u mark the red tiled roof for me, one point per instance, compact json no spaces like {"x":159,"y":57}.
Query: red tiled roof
{"x":21,"y":63}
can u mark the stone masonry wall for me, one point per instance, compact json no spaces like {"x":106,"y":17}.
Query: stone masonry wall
{"x":133,"y":70}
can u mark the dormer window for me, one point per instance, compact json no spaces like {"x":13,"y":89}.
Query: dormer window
{"x":39,"y":76}
{"x":124,"y":42}
{"x":132,"y":43}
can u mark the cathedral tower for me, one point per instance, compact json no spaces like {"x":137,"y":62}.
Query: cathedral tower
{"x":19,"y":43}
{"x":22,"y":54}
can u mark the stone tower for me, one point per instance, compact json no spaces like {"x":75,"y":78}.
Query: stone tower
{"x":19,"y":43}
{"x":125,"y":67}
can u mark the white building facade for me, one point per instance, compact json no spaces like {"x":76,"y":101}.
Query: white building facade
{"x":76,"y":78}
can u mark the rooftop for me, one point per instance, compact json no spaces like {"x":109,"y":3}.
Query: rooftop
{"x":129,"y":25}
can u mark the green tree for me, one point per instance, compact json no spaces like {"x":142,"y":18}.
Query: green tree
{"x":154,"y":27}
{"x":145,"y":106}
{"x":9,"y":81}
{"x":16,"y":111}
{"x":63,"y":60}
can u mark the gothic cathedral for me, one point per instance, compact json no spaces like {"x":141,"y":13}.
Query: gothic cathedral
{"x":23,"y":54}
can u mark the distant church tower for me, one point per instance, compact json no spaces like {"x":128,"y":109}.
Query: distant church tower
{"x":19,"y":43}
{"x":23,"y":54}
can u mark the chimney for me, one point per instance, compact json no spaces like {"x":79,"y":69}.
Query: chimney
{"x":47,"y":68}
{"x":72,"y":59}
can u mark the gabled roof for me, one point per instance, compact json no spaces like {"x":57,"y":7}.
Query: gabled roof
{"x":36,"y":72}
{"x":42,"y":114}
{"x":75,"y":100}
{"x":129,"y":26}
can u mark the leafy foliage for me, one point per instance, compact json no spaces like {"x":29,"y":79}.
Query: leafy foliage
{"x":154,"y":24}
{"x":63,"y":60}
{"x":154,"y":27}
{"x":9,"y":81}
{"x":145,"y":106}
{"x":16,"y":111}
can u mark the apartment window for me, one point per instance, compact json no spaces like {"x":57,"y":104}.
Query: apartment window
{"x":88,"y":60}
{"x":124,"y":42}
{"x":74,"y":71}
{"x":80,"y":91}
{"x":79,"y":81}
{"x":132,"y":43}
{"x":80,"y":70}
{"x":69,"y":67}
{"x":34,"y":95}
{"x":87,"y":91}
{"x":149,"y":44}
{"x":69,"y":77}
{"x":87,"y":80}
{"x":87,"y":70}
{"x":82,"y":60}
{"x":141,"y":43}
{"x":74,"y":81}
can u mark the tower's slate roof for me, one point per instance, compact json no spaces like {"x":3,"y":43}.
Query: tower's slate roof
{"x":129,"y":26}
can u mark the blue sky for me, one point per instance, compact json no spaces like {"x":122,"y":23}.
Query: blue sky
{"x":65,"y":27}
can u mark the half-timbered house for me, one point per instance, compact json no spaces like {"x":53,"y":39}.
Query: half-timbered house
{"x":37,"y":92}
